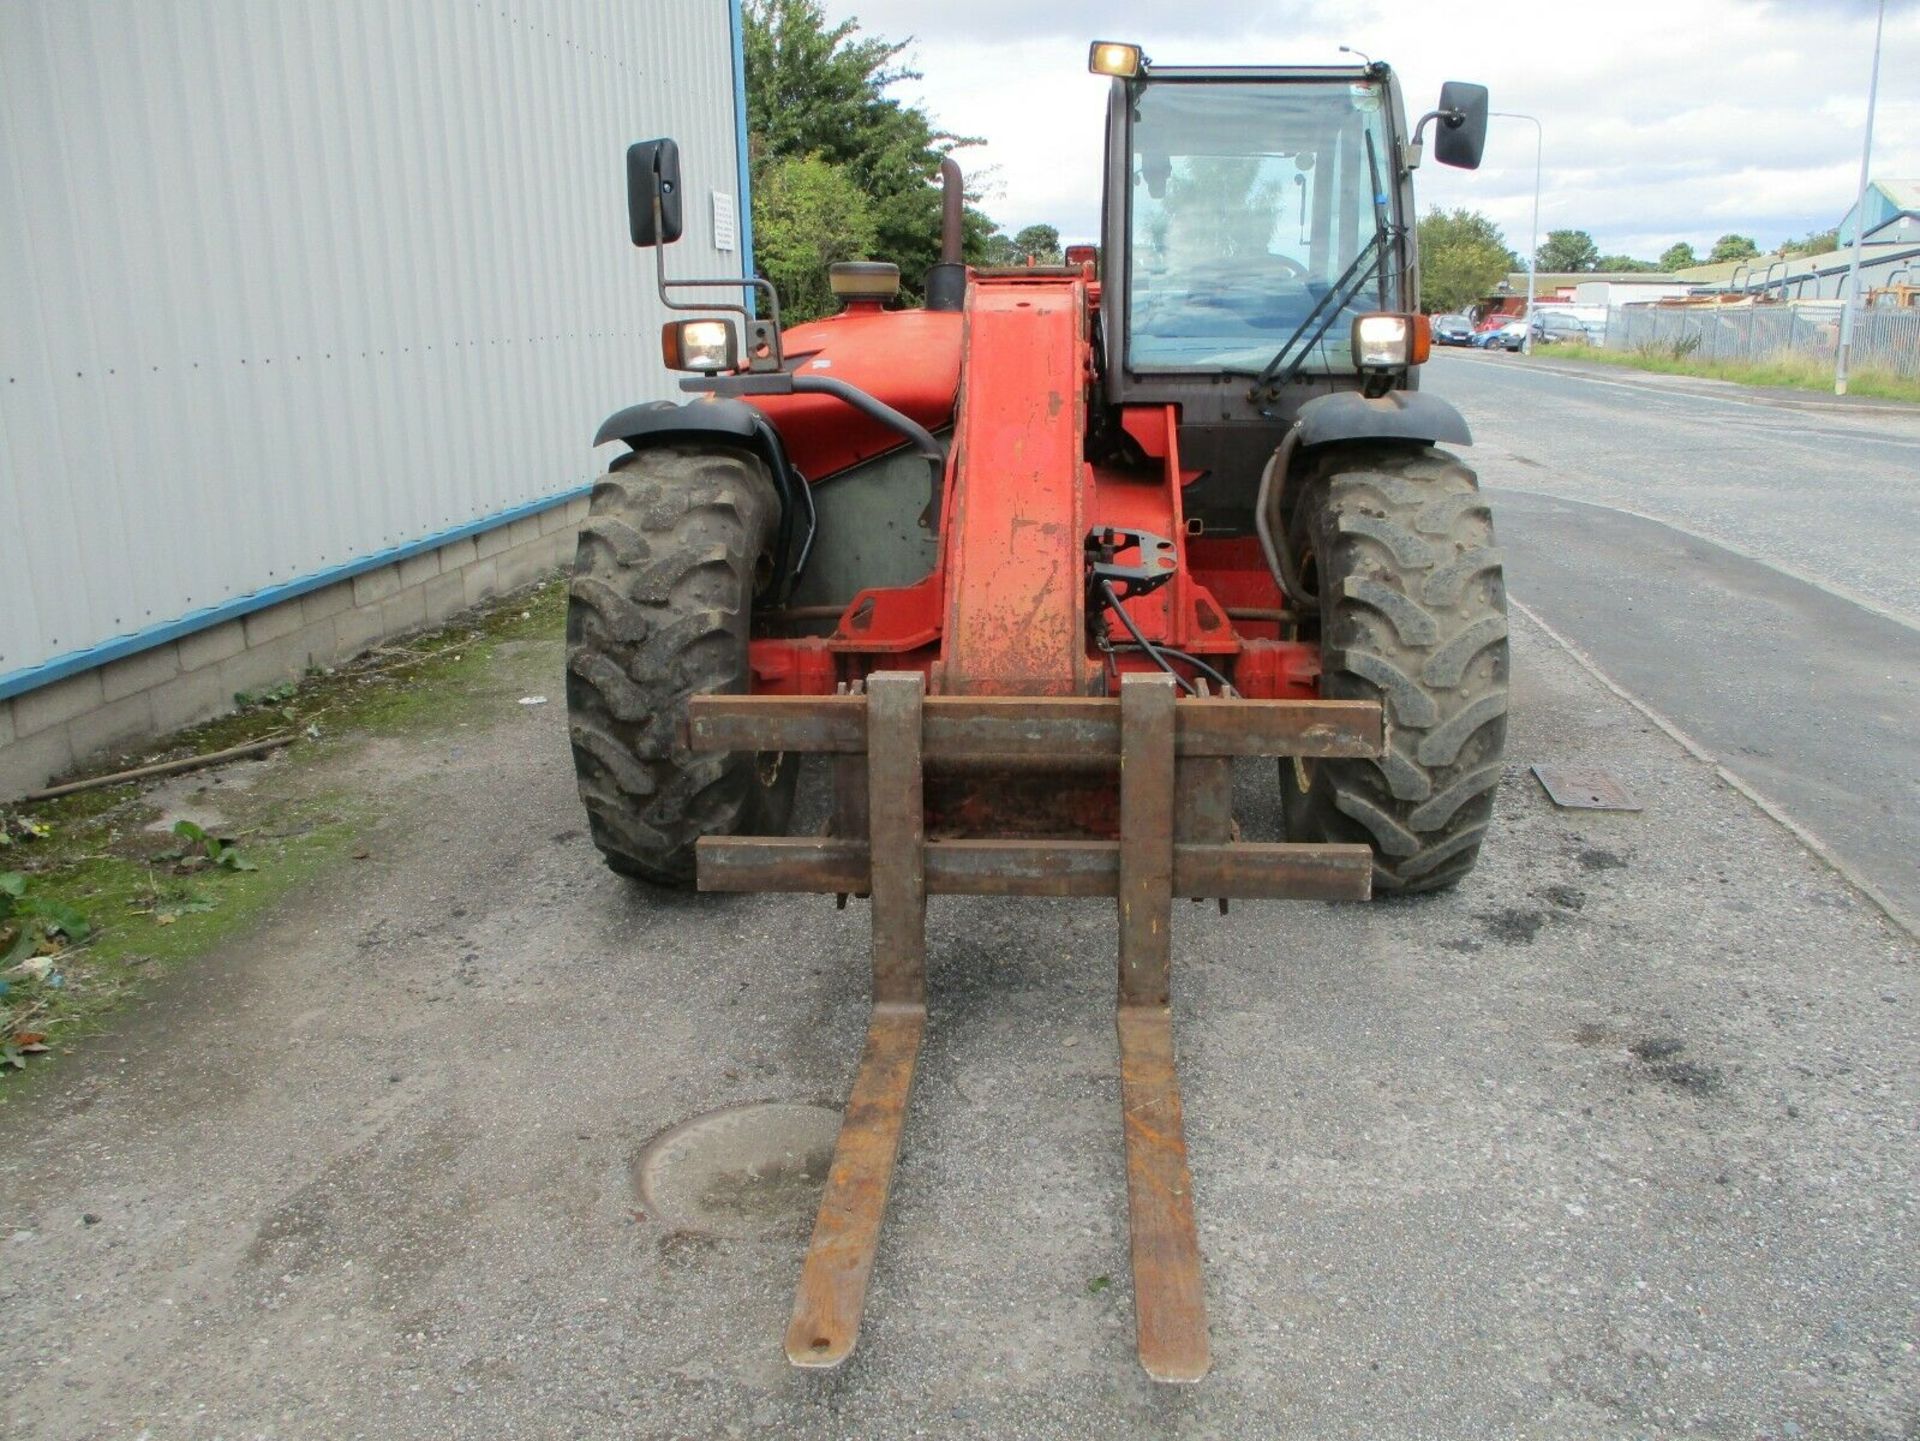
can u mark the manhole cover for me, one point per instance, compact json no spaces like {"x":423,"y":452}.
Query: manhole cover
{"x":746,"y":1171}
{"x":1585,"y":789}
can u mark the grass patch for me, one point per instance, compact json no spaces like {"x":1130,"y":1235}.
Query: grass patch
{"x":94,"y":903}
{"x":1787,"y":370}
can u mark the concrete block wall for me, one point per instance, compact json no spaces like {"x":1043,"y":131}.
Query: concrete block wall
{"x":49,"y":731}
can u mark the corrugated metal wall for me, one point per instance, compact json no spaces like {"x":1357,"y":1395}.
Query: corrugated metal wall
{"x":291,"y":283}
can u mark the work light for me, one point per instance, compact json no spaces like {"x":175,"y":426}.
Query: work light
{"x":706,"y":345}
{"x":1383,"y":340}
{"x":1109,"y":57}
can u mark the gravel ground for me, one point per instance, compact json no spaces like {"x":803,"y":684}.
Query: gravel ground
{"x":1617,"y":1140}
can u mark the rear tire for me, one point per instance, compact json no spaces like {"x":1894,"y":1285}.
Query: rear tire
{"x":1399,"y":545}
{"x":669,"y":557}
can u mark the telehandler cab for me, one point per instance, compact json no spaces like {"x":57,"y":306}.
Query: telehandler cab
{"x":1033,"y":564}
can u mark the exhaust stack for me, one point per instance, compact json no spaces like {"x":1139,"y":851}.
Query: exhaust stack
{"x":947,"y":281}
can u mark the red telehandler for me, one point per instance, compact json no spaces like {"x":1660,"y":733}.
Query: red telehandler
{"x":1031,"y":565}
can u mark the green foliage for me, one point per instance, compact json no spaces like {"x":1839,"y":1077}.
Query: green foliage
{"x":1567,"y":250}
{"x":1679,"y":348}
{"x":1624,"y":265}
{"x":211,"y":849}
{"x":1815,"y":242}
{"x":1792,"y":370}
{"x":29,"y":921}
{"x":275,"y":695}
{"x":815,"y":214}
{"x":1217,"y":206}
{"x":1038,"y":243}
{"x":816,"y":91}
{"x":1678,"y":256}
{"x":1732,"y":247}
{"x":21,"y":830}
{"x":1463,"y":257}
{"x":1034,"y":245}
{"x":1000,"y":250}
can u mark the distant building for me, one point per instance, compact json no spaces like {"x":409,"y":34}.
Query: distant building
{"x":1809,"y":277}
{"x":1604,"y":288}
{"x":1892,"y":212}
{"x":1889,"y":254}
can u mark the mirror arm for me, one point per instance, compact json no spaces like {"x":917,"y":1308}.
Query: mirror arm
{"x":1415,"y":149}
{"x":1452,"y":119}
{"x":760,"y":333}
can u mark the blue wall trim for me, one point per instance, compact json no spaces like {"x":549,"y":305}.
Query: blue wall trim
{"x":14,"y":682}
{"x":743,"y":211}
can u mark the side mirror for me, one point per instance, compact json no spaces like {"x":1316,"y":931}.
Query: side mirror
{"x":1460,"y":142}
{"x":653,"y":169}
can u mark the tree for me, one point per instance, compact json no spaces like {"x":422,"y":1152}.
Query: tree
{"x":1817,"y":242}
{"x":817,"y":91}
{"x":1567,"y":250}
{"x":1000,"y":251}
{"x":1732,"y":247}
{"x":1678,"y":256}
{"x":1623,"y":265}
{"x":1463,"y":257}
{"x":815,"y":214}
{"x":1218,"y":208}
{"x":1038,"y":244}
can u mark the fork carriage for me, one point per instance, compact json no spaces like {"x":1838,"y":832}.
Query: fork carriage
{"x":1171,"y":760}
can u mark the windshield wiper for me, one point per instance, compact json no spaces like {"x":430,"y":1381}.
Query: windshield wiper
{"x":1280,"y":370}
{"x":1344,"y":289}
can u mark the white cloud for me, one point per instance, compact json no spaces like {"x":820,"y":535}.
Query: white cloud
{"x":1662,"y":122}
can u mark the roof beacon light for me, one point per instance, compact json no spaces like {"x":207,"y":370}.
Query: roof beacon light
{"x":1109,"y":57}
{"x":864,"y":279}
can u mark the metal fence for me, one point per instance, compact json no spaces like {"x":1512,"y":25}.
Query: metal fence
{"x":1883,"y":338}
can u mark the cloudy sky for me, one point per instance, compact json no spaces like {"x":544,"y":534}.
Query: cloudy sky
{"x":1679,"y":120}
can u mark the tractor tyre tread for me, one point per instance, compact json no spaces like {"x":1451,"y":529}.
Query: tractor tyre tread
{"x":658,"y":611}
{"x":1413,"y":614}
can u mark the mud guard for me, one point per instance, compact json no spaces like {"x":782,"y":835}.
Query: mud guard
{"x":661,"y":422}
{"x":1398,"y":415}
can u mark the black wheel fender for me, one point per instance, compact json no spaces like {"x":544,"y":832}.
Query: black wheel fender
{"x":1410,"y":415}
{"x":661,"y":422}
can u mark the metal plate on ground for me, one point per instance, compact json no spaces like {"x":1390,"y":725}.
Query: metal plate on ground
{"x":747,"y":1171}
{"x":1585,"y":789}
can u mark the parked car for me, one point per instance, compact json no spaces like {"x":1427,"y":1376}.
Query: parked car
{"x":1550,"y":326}
{"x":1500,"y":332}
{"x":1452,"y":330}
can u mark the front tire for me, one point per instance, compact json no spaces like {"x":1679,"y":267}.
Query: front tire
{"x":1398,"y":543}
{"x":674,"y":545}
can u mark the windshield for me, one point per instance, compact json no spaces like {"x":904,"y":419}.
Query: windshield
{"x":1248,"y":203}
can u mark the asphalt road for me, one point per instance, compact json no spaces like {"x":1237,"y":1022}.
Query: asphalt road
{"x":1615,"y":1140}
{"x":1741,"y":561}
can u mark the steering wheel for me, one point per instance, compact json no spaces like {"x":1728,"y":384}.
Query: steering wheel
{"x":1289,"y":268}
{"x":1247,"y":270}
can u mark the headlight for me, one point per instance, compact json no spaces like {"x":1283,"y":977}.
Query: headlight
{"x":1108,"y":57}
{"x":1385,"y":341}
{"x":707,"y":345}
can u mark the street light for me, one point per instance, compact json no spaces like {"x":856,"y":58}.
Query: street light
{"x":1533,"y":238}
{"x":1844,"y":352}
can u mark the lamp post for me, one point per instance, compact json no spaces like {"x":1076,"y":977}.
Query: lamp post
{"x":1844,"y":352}
{"x":1533,"y":238}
